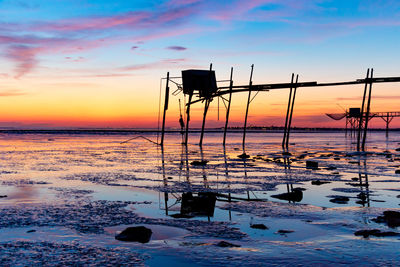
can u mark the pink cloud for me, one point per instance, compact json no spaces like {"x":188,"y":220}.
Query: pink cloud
{"x":80,"y":34}
{"x":156,"y":64}
{"x":11,"y":92}
{"x":24,"y":56}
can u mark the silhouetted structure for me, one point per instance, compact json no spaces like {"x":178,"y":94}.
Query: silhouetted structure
{"x":354,"y":114}
{"x":204,"y":85}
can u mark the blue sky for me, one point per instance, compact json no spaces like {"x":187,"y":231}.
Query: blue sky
{"x":109,"y":44}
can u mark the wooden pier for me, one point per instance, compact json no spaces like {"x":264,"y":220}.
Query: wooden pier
{"x":202,"y":84}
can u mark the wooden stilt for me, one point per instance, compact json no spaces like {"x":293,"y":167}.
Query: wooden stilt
{"x":165,"y":110}
{"x":229,"y":107}
{"x":362,"y":113}
{"x":206,"y":105}
{"x":287,"y":113}
{"x":368,"y":111}
{"x":247,"y":107}
{"x":188,"y":119}
{"x":291,"y":114}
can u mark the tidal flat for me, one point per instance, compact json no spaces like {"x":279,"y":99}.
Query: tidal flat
{"x":65,"y":197}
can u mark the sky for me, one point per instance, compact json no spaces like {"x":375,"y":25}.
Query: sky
{"x":98,"y":63}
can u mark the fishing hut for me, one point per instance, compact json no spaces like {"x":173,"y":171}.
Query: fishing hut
{"x":202,"y":86}
{"x":353,"y":116}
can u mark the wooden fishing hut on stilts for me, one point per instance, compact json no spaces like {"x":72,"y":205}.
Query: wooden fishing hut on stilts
{"x":204,"y":85}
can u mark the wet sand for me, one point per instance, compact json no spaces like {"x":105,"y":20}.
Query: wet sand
{"x":65,"y":197}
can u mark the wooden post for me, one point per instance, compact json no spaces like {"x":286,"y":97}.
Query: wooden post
{"x":291,"y":113}
{"x":247,"y":107}
{"x":362,"y":113}
{"x":387,"y":125}
{"x":165,"y":110}
{"x":287,"y":114}
{"x":188,"y":118}
{"x":229,"y":107}
{"x":206,"y":105}
{"x":368,"y":111}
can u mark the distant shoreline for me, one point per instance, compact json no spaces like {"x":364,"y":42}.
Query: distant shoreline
{"x":110,"y":131}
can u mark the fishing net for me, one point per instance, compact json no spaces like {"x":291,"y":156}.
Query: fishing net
{"x":336,"y":116}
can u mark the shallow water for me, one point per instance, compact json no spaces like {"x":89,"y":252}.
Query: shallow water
{"x":83,"y":189}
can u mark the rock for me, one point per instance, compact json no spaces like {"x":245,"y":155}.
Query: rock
{"x":331,"y":168}
{"x":340,"y":200}
{"x":318,"y":182}
{"x":199,"y":162}
{"x":283,"y":232}
{"x":244,"y":156}
{"x":135,"y":234}
{"x":397,"y":171}
{"x":336,"y":158}
{"x":3,"y":196}
{"x":300,"y":189}
{"x":259,"y":226}
{"x":182,"y":216}
{"x":311,"y":164}
{"x":362,"y":196}
{"x":295,"y":196}
{"x":354,"y":162}
{"x":398,"y":149}
{"x":224,"y":244}
{"x":375,"y":232}
{"x":31,"y":231}
{"x":390,"y":217}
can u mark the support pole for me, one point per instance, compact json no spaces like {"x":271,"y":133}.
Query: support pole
{"x":368,"y":111}
{"x":287,"y":113}
{"x":206,"y":105}
{"x":229,"y":107}
{"x":362,"y":113}
{"x":165,"y":110}
{"x":387,"y":124}
{"x":188,"y":118}
{"x":247,"y":107}
{"x":291,"y":113}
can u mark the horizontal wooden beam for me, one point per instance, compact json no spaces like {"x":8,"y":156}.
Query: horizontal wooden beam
{"x":274,"y":86}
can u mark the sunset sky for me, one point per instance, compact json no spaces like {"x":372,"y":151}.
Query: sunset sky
{"x":98,"y":63}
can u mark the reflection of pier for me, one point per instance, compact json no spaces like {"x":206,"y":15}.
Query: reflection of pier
{"x":204,"y":85}
{"x":197,"y":204}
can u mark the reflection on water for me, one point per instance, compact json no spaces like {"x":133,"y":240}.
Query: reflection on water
{"x":213,"y":183}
